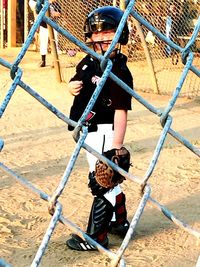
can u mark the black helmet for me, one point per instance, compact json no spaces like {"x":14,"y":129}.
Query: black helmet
{"x":105,"y":18}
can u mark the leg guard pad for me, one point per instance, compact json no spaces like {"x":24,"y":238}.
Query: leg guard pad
{"x":120,"y":208}
{"x":121,"y":225}
{"x":100,"y":217}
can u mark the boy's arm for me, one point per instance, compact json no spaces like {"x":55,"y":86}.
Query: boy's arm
{"x":120,"y":123}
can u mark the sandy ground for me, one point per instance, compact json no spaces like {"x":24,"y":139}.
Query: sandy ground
{"x":38,"y":147}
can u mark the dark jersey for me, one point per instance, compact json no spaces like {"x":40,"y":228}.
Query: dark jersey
{"x":111,"y":97}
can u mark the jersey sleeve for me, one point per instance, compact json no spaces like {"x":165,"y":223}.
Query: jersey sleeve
{"x":78,"y":74}
{"x":120,"y":98}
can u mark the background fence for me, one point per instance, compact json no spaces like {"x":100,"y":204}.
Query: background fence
{"x":175,"y":18}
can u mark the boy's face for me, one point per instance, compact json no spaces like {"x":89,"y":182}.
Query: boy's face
{"x":102,"y":40}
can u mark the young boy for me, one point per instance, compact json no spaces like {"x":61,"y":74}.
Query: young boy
{"x":108,"y":123}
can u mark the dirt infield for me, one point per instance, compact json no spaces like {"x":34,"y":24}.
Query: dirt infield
{"x":38,"y":146}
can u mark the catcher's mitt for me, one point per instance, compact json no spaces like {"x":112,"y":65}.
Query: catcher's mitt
{"x":105,"y":175}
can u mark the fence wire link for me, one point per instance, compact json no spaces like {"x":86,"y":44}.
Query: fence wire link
{"x":80,"y":132}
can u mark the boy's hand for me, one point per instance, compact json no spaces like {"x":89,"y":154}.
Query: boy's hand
{"x":105,"y":175}
{"x":75,"y":87}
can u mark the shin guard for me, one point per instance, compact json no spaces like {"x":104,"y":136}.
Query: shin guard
{"x":121,"y":225}
{"x":99,"y":220}
{"x":120,"y":208}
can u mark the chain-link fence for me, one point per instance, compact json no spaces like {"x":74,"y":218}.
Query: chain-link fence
{"x":155,"y":66}
{"x":174,"y":18}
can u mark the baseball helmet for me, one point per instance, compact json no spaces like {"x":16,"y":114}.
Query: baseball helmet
{"x":105,"y":18}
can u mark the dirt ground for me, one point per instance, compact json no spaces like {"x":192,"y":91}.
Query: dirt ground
{"x":38,"y":147}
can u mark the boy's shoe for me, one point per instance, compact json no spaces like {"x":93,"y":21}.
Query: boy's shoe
{"x":42,"y":64}
{"x":77,"y":243}
{"x":119,"y":229}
